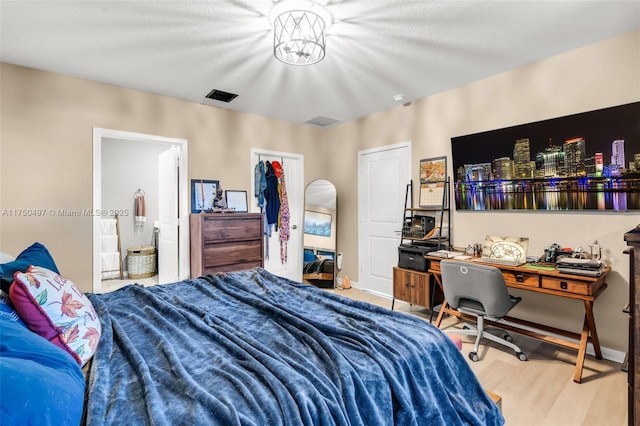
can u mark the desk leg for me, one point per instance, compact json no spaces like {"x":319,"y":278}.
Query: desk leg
{"x":444,"y":302}
{"x":582,"y":351}
{"x":443,"y":307}
{"x":591,"y":322}
{"x":588,"y":329}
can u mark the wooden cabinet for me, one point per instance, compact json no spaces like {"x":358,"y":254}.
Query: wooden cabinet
{"x":633,"y":241}
{"x":414,"y":287}
{"x":224,"y":242}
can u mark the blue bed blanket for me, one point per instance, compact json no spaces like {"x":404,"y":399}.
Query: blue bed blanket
{"x":252,"y":348}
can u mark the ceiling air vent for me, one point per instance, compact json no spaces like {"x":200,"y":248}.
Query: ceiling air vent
{"x":321,"y":121}
{"x":220,"y":95}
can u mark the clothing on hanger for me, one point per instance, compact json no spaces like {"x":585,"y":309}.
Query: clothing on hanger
{"x":284,"y":219}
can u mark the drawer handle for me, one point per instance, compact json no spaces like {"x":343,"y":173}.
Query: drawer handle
{"x":563,"y":285}
{"x":520,"y":278}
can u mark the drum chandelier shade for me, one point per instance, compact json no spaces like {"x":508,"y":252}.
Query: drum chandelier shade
{"x":299,"y":37}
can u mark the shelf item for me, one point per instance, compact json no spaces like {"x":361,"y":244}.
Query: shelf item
{"x":110,"y":253}
{"x":427,"y":224}
{"x":225,"y":242}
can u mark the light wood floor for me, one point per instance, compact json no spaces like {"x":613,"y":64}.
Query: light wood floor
{"x":539,"y":391}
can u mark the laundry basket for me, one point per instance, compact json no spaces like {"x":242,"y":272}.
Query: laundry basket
{"x":141,"y":261}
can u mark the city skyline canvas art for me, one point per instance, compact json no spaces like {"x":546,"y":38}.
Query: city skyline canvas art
{"x":586,"y":161}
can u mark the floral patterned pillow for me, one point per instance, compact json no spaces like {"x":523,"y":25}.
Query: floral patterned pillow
{"x":54,"y":308}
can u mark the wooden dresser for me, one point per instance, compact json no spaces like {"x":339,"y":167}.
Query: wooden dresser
{"x":224,"y":242}
{"x":633,"y":241}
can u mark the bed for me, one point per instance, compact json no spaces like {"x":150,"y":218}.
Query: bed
{"x":318,"y":267}
{"x":250,"y":347}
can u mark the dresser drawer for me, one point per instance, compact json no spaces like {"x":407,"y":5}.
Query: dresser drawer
{"x":521,"y":279}
{"x":214,"y":255}
{"x":568,"y":285}
{"x":230,"y":229}
{"x":233,"y":267}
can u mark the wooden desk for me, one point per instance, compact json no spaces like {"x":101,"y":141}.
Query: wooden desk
{"x":550,"y":282}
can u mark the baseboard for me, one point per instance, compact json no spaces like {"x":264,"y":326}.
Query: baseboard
{"x":607,"y":353}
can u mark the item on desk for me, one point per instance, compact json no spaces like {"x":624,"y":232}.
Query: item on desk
{"x":499,"y":261}
{"x":462,"y":257}
{"x":578,"y":266}
{"x":582,"y":271}
{"x":446,"y":254}
{"x":555,"y":252}
{"x":575,"y":262}
{"x":595,"y":250}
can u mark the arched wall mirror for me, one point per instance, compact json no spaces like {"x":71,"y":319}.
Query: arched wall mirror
{"x":320,"y":245}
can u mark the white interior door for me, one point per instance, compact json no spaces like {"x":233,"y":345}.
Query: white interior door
{"x":168,"y":216}
{"x":293,"y":165}
{"x":383,"y":175}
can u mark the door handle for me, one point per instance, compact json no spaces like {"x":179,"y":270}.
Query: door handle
{"x":294,"y":226}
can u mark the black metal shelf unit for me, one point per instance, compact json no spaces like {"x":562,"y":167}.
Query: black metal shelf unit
{"x":420,"y":227}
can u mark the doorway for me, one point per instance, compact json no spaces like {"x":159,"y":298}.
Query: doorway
{"x":293,"y":166}
{"x":122,"y":159}
{"x":383,"y":175}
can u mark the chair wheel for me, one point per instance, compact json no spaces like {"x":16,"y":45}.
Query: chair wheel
{"x":521,"y":356}
{"x":508,"y":338}
{"x":474,"y":357}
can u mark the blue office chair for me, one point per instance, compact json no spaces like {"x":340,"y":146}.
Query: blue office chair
{"x":478,"y":290}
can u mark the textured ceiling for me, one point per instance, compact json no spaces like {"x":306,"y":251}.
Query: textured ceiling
{"x":375,"y":48}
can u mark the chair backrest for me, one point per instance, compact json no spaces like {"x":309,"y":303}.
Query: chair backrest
{"x":479,"y":283}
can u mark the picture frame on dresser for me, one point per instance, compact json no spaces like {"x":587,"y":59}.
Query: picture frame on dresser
{"x":203,"y":194}
{"x":236,"y":200}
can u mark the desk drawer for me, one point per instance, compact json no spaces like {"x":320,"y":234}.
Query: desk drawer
{"x":434,"y":265}
{"x":521,"y":279}
{"x":570,"y":286}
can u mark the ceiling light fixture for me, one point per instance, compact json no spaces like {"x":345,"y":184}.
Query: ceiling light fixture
{"x":299,"y":31}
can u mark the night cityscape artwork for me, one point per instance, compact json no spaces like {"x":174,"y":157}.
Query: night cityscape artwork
{"x":588,"y":161}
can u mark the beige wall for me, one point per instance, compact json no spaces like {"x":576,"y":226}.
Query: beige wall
{"x":46,"y":123}
{"x":597,"y":76}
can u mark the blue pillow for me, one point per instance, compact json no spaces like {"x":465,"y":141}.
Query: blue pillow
{"x":7,"y":311}
{"x":36,"y":254}
{"x":41,"y":383}
{"x":309,"y":256}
